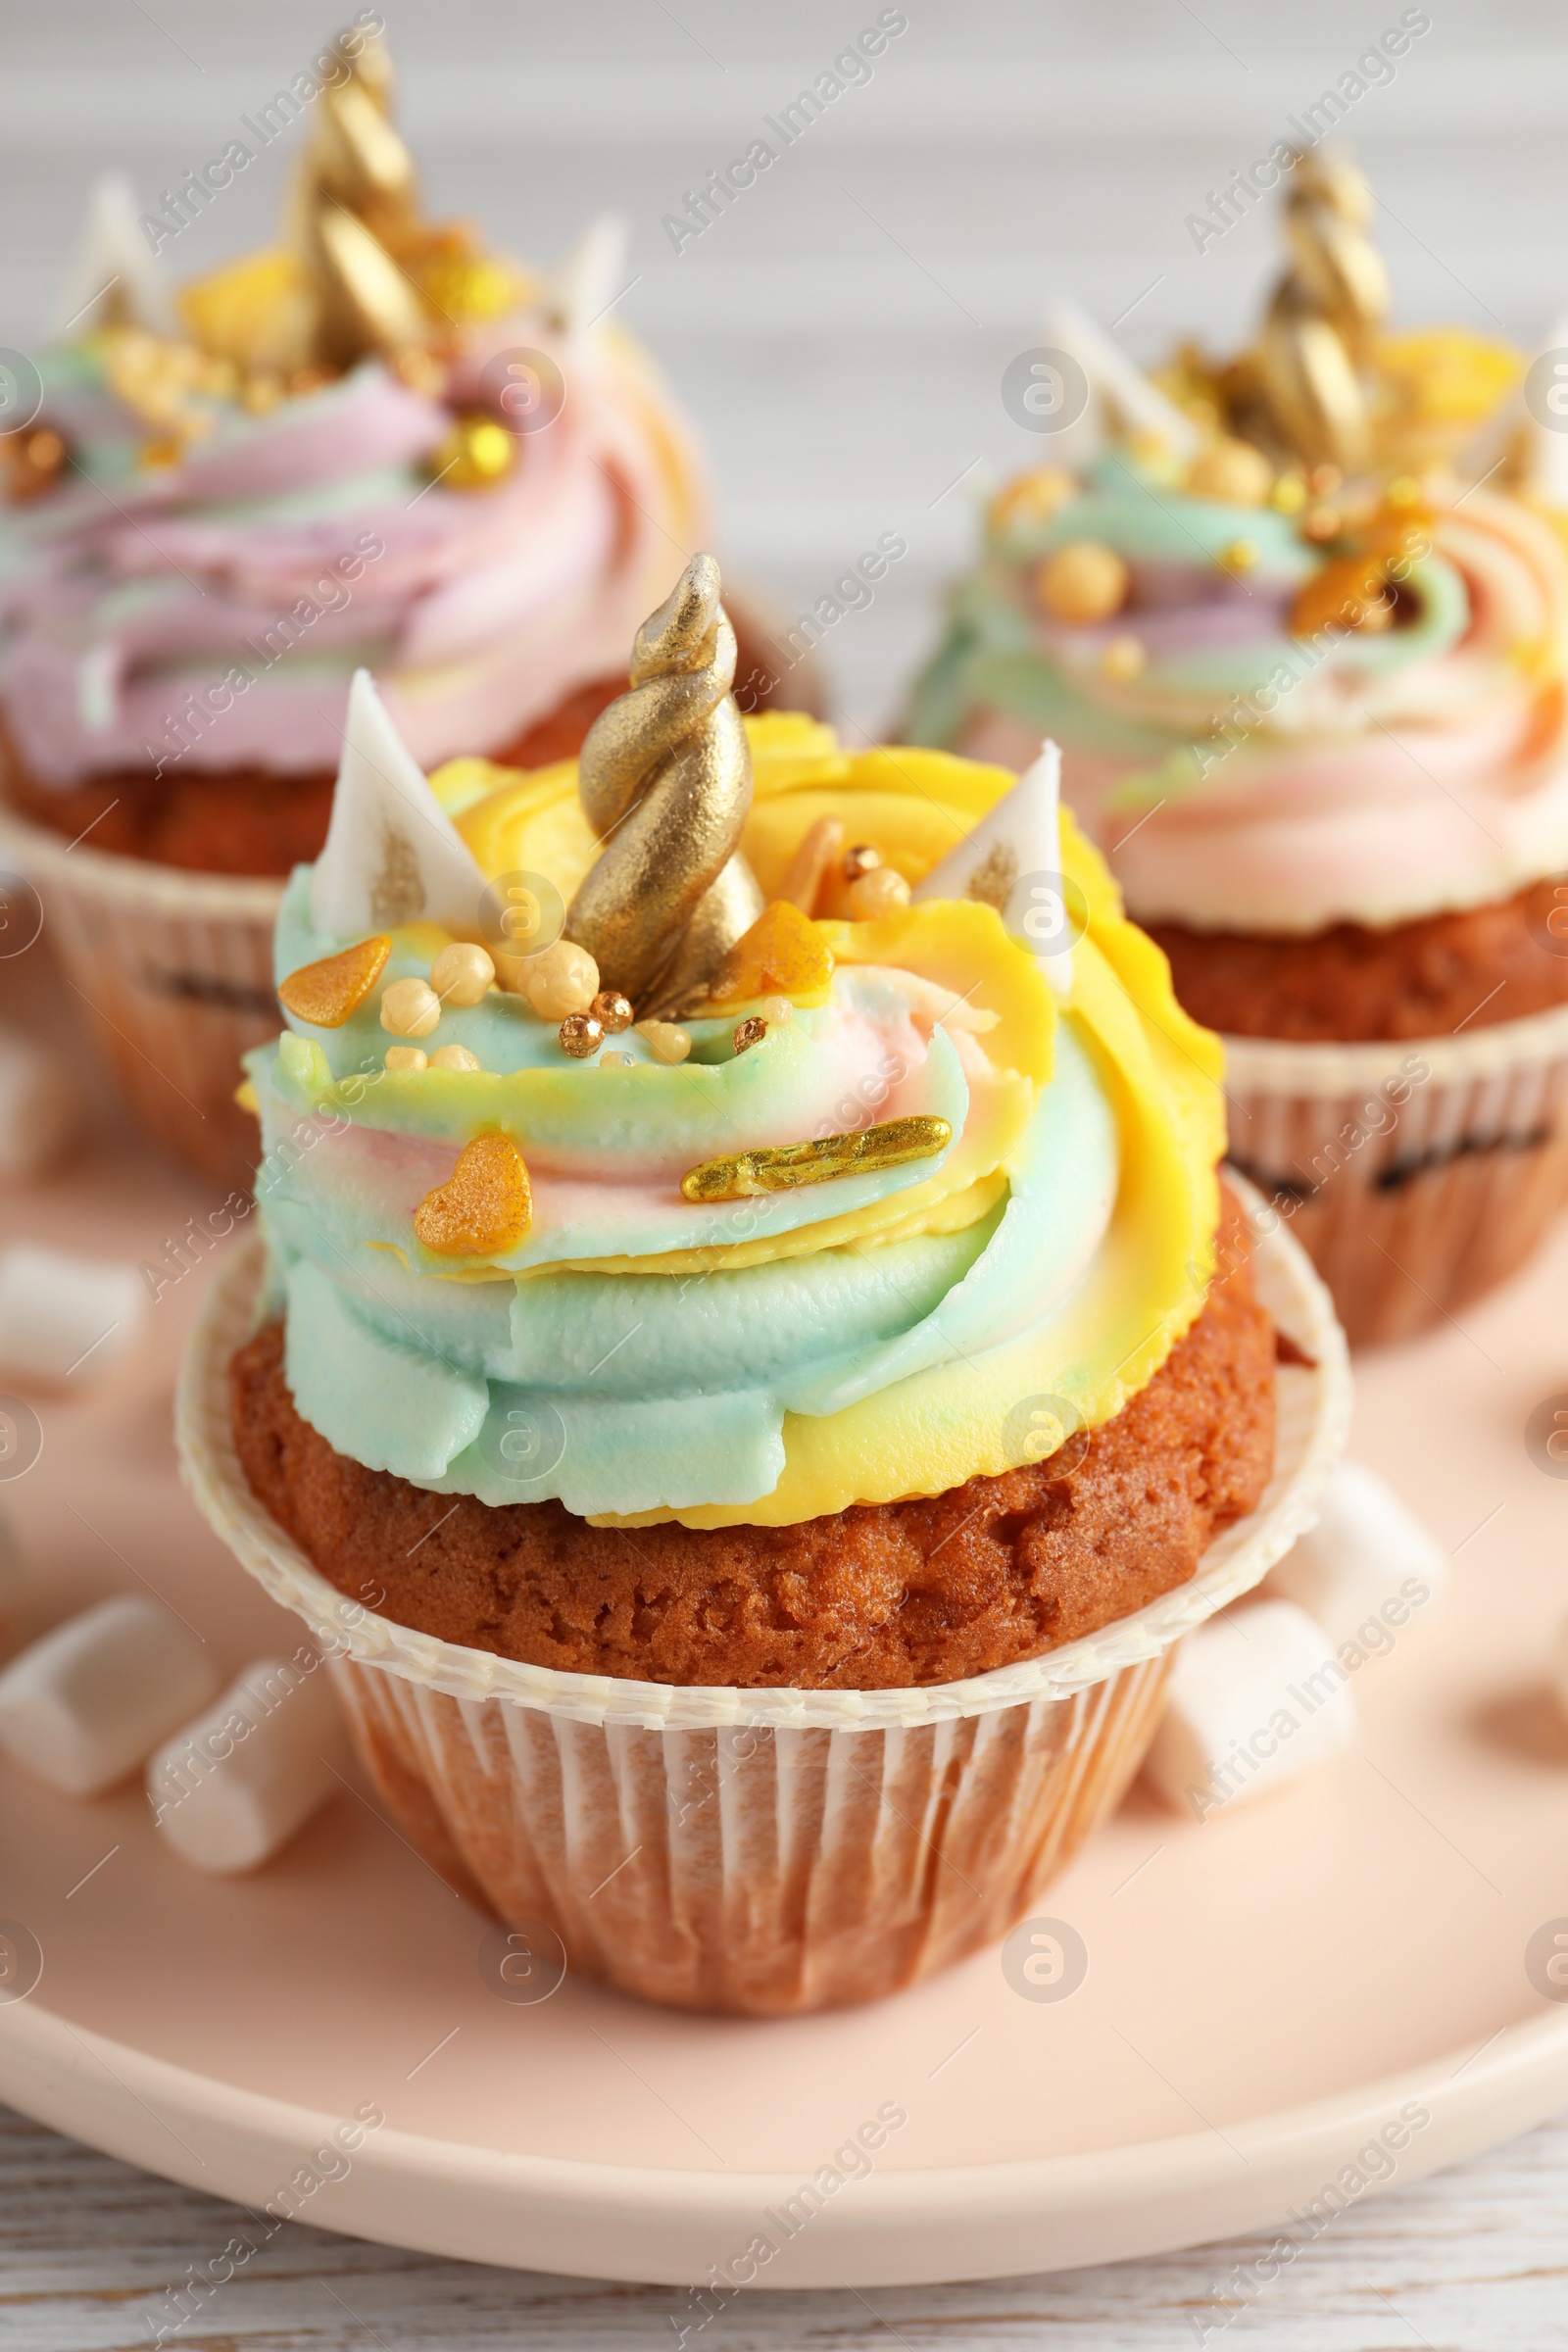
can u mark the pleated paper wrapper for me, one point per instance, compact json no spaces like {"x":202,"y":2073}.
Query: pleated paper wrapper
{"x":761,"y":1852}
{"x":172,"y":973}
{"x":1417,"y":1174}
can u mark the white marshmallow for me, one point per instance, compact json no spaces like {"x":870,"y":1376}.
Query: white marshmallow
{"x":1257,"y":1698}
{"x":1368,"y":1558}
{"x":62,"y":1315}
{"x":233,"y":1786}
{"x":90,"y":1702}
{"x":13,"y":1587}
{"x":1013,"y":861}
{"x":392,"y":855}
{"x":39,"y":1106}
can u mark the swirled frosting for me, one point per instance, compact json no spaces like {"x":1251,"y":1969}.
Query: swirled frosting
{"x":769,"y":1360}
{"x":210,"y":601}
{"x":1244,"y":771}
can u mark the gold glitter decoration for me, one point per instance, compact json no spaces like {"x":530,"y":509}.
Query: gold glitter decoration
{"x":748,"y":1033}
{"x":485,"y":1204}
{"x":863,"y":859}
{"x":781,"y":1168}
{"x":326,"y":992}
{"x":1316,"y":352}
{"x":476,"y":453}
{"x":665,"y":781}
{"x":783,"y":953}
{"x":994,"y":877}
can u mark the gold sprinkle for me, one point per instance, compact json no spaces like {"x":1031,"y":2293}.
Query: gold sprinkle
{"x":485,"y":1204}
{"x":325,"y":994}
{"x":863,"y":859}
{"x":781,"y":1168}
{"x":611,"y":1010}
{"x":819,"y":849}
{"x":581,"y":1035}
{"x":750,"y":1032}
{"x":783,"y":954}
{"x":1242,"y":555}
{"x":475,"y":454}
{"x":666,"y":1041}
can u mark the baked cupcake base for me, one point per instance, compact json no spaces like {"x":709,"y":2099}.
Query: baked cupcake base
{"x":766,"y":1850}
{"x":1475,"y":967}
{"x":882,"y":1596}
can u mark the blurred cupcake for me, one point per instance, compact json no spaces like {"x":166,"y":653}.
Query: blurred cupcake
{"x":768,"y":1378}
{"x":378,"y":442}
{"x":1308,"y":671}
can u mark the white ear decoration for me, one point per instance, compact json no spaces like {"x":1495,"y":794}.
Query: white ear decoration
{"x":593,"y":273}
{"x":393,"y":854}
{"x":1115,"y":385}
{"x":113,"y":272}
{"x":1013,"y":861}
{"x":1545,"y":444}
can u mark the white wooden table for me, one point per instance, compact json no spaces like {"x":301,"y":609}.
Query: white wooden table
{"x":1473,"y":2261}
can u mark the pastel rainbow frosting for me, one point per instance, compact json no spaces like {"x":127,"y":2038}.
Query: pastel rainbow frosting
{"x":765,"y":1361}
{"x":206,"y":598}
{"x":1244,"y":771}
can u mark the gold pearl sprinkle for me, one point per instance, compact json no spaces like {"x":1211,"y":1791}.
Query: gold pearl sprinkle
{"x":1242,"y":555}
{"x":581,"y":1035}
{"x":781,"y":1168}
{"x":611,"y":1010}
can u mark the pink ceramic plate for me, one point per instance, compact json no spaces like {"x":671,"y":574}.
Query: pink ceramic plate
{"x":1267,"y":1993}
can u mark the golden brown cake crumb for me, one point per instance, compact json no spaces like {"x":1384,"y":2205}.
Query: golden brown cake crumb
{"x":1421,"y":979}
{"x":925,"y":1590}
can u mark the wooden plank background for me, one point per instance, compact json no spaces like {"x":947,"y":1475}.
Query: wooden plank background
{"x":839,"y":337}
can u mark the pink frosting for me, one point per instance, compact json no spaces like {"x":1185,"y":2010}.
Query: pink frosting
{"x":129,"y":593}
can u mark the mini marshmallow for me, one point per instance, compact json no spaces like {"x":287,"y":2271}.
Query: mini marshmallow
{"x":1368,"y":1558}
{"x":234,"y":1785}
{"x":1256,"y":1697}
{"x":62,"y":1315}
{"x":39,"y":1106}
{"x":92,"y":1699}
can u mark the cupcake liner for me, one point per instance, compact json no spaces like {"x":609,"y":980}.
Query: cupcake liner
{"x":761,"y":1851}
{"x":172,"y":973}
{"x":1416,"y":1173}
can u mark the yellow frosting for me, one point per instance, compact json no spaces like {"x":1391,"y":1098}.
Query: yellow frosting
{"x":1161,"y":1072}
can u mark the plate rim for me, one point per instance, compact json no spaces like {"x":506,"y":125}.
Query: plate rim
{"x":1143,"y":2193}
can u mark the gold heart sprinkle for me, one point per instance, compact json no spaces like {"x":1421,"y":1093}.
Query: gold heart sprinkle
{"x":485,"y":1205}
{"x":780,"y":1167}
{"x":325,"y":994}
